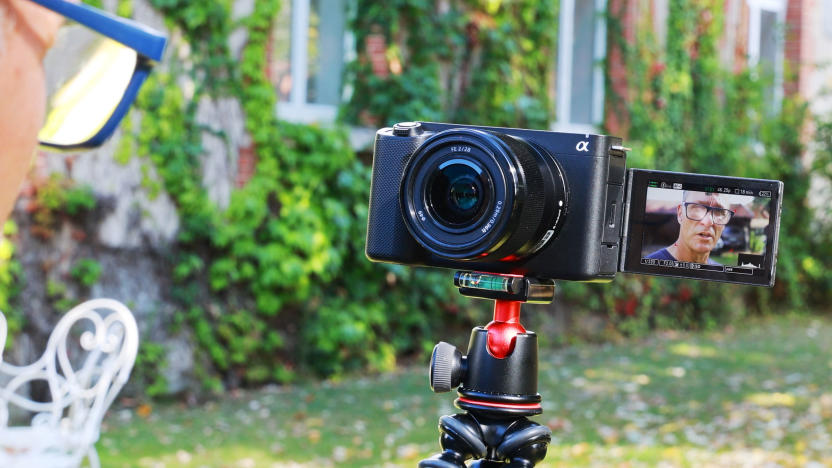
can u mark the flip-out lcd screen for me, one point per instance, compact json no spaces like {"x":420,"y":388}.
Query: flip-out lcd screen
{"x":703,"y":227}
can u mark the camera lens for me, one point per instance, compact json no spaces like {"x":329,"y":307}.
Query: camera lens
{"x":455,"y":192}
{"x":470,"y":194}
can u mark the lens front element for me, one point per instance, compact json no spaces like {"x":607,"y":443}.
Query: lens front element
{"x":456,"y":192}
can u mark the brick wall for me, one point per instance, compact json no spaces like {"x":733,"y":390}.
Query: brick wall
{"x":794,"y":47}
{"x":616,"y":119}
{"x":246,"y":165}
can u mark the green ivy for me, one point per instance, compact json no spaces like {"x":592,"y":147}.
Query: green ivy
{"x":278,"y":279}
{"x":86,"y":272}
{"x":688,"y":113}
{"x":150,"y":361}
{"x":54,"y":198}
{"x":487,"y":62}
{"x":10,"y":282}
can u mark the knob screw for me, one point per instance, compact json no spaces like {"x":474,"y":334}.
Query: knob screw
{"x":445,"y":367}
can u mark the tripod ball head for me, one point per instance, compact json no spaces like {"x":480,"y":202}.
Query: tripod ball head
{"x":446,"y":367}
{"x":496,"y":382}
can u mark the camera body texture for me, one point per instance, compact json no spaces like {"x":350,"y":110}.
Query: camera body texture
{"x":499,"y":200}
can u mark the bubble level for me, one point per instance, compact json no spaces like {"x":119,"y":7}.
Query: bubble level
{"x":484,"y":281}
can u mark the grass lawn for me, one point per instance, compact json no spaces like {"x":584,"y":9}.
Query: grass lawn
{"x":760,"y":395}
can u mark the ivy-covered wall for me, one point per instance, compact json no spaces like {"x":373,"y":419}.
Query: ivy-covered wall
{"x":251,"y":287}
{"x":485,"y":62}
{"x":686,"y":111}
{"x":245,"y":285}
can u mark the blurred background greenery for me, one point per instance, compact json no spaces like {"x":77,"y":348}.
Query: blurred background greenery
{"x":255,"y":274}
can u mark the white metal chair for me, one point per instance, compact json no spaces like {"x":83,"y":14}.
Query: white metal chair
{"x":87,"y":361}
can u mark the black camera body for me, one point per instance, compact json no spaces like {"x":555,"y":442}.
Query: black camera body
{"x":501,"y":200}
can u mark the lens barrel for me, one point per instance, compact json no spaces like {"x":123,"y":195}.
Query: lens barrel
{"x":468,"y":194}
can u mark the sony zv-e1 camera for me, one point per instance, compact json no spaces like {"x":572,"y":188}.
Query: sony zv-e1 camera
{"x":560,"y":206}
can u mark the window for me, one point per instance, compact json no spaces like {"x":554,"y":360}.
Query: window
{"x":307,"y":59}
{"x":580,"y":79}
{"x":661,"y":11}
{"x":827,"y":18}
{"x":765,"y":44}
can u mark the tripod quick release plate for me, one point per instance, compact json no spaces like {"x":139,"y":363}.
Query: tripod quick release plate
{"x":504,"y":287}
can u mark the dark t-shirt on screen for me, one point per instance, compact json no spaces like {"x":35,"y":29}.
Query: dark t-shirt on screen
{"x":664,"y":254}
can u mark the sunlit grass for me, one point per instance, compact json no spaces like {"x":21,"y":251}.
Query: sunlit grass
{"x":746,"y":397}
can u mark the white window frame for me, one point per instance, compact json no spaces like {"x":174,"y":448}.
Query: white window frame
{"x":826,"y":17}
{"x":755,"y":11}
{"x":297,"y":109}
{"x":566,"y":42}
{"x":661,"y":15}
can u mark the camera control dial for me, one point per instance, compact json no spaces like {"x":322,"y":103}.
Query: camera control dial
{"x":407,"y":129}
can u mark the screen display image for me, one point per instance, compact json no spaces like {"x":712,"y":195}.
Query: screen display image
{"x":702,"y":226}
{"x":705,"y":230}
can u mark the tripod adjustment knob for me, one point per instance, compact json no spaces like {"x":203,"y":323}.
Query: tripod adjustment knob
{"x":445,"y":367}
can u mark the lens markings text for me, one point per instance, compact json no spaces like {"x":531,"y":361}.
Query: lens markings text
{"x":493,"y":217}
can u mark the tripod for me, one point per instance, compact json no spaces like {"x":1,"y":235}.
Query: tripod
{"x":497,"y":381}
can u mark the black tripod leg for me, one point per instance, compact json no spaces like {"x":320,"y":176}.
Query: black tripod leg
{"x":460,"y":439}
{"x":524,"y":444}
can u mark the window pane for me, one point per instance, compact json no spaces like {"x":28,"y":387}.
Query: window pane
{"x":583,"y":63}
{"x":768,"y":51}
{"x":325,"y":51}
{"x":827,"y":17}
{"x":768,"y":40}
{"x":280,"y":65}
{"x":661,"y":10}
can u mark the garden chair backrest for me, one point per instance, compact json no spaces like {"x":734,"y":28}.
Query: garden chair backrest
{"x":87,"y":361}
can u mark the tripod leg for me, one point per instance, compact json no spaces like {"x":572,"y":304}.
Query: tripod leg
{"x":460,"y":439}
{"x":524,"y":444}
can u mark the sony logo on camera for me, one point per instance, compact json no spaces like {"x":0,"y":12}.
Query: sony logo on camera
{"x":548,"y":205}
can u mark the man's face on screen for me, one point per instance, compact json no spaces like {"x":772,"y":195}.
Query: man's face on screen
{"x":699,"y":236}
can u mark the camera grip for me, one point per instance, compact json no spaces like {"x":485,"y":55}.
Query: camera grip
{"x":387,"y":237}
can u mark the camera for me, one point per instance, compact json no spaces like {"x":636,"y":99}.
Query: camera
{"x":559,"y":206}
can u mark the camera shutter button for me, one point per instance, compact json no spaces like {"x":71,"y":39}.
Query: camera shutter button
{"x":406,"y":129}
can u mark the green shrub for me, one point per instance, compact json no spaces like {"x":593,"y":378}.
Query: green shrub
{"x":150,"y":361}
{"x":86,"y":272}
{"x":10,"y":282}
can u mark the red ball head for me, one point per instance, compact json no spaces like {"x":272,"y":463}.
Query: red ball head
{"x":504,"y":328}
